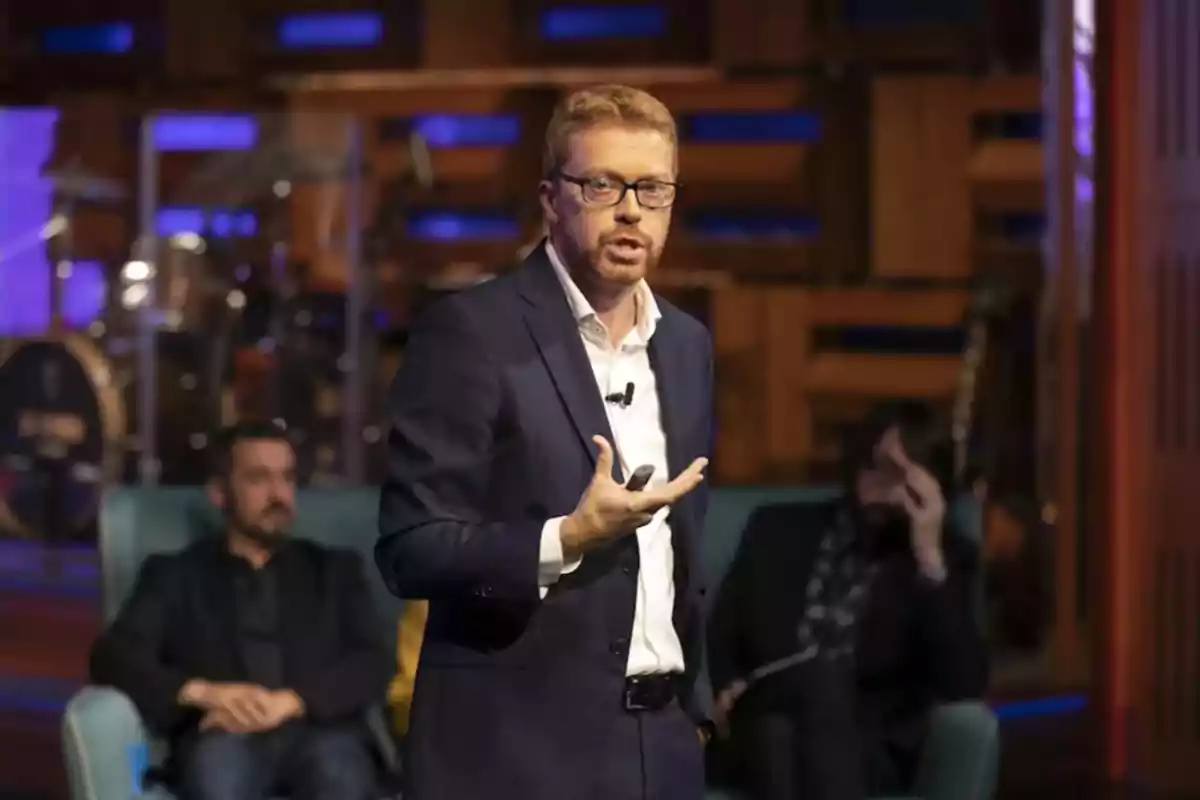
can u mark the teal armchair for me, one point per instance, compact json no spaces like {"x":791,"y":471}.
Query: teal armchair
{"x":106,"y":747}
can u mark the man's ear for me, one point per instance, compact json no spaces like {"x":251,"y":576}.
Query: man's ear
{"x":546,"y":199}
{"x":216,"y":493}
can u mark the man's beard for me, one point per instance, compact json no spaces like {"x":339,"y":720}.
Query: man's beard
{"x":590,"y":266}
{"x":267,"y":536}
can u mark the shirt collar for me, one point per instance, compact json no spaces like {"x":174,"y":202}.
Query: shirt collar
{"x":647,"y":307}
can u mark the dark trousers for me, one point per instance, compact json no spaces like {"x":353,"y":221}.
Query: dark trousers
{"x":806,"y":739}
{"x":672,"y":756}
{"x":303,"y":761}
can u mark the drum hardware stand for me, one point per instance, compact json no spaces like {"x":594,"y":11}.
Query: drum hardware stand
{"x":387,"y":233}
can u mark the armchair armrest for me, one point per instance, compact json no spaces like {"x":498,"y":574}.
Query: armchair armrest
{"x":961,"y":755}
{"x":105,"y":745}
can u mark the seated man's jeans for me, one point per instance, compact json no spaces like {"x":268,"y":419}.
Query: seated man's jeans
{"x":300,"y":760}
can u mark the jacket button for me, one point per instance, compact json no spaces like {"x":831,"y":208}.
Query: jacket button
{"x":618,"y":646}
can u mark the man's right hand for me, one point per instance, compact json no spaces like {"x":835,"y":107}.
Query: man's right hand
{"x":244,"y":704}
{"x":607,"y":510}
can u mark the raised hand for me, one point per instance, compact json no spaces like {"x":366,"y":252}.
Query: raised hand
{"x":607,"y":510}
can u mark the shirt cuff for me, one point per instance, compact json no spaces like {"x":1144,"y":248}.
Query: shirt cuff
{"x":551,"y":565}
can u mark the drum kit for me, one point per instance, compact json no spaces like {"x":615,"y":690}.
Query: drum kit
{"x":236,"y":332}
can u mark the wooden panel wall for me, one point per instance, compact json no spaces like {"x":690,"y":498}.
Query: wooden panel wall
{"x":891,"y":177}
{"x":787,"y":385}
{"x":786,"y":177}
{"x":956,"y":178}
{"x":182,"y":42}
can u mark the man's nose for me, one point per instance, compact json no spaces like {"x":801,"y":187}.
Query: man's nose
{"x":629,"y":209}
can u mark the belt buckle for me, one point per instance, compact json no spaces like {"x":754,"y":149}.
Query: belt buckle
{"x":632,"y":695}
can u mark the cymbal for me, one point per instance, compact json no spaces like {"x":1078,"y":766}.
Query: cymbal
{"x":235,"y":177}
{"x":78,"y":184}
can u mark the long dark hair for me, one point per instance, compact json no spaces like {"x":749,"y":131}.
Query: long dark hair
{"x":923,"y":431}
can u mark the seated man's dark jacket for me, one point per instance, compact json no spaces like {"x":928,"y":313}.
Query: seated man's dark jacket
{"x":917,"y":643}
{"x":181,"y":622}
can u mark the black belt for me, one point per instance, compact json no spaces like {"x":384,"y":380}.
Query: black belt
{"x":650,"y":692}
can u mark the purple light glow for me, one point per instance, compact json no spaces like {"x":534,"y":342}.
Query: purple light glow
{"x":26,"y":204}
{"x":1084,"y":102}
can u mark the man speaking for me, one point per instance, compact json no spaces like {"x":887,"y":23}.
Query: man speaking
{"x":549,"y":435}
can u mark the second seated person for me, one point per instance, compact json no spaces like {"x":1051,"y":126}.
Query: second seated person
{"x":840,"y":625}
{"x":255,"y":654}
{"x":564,"y":629}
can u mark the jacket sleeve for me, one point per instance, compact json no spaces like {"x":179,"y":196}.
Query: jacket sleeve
{"x":128,"y":654}
{"x":435,"y":537}
{"x":699,"y":701}
{"x":948,"y":631}
{"x":358,"y":678}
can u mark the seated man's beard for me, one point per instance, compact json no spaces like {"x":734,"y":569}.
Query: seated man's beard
{"x":265,"y":535}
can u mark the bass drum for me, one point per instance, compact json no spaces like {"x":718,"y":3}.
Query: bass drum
{"x":62,"y":422}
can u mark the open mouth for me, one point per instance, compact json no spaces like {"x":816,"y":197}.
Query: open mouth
{"x":626,"y":247}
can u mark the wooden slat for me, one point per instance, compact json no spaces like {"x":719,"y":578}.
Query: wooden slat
{"x":741,"y":367}
{"x":465,"y":33}
{"x":473,"y":166}
{"x":399,"y":101}
{"x":720,"y":95}
{"x":883,"y":375}
{"x":784,"y":259}
{"x":846,"y":307}
{"x":759,"y":162}
{"x":747,"y":197}
{"x":1006,"y":93}
{"x":511,"y":78}
{"x":753,"y":33}
{"x":920,"y":203}
{"x":788,"y":414}
{"x":1005,"y":196}
{"x":1000,"y":161}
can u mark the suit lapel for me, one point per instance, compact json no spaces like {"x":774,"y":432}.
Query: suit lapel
{"x":556,"y":333}
{"x":666,"y":361}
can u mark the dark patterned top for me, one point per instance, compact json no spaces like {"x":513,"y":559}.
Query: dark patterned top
{"x":835,"y":596}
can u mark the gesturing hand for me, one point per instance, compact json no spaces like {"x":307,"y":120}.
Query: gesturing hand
{"x":925,"y":505}
{"x":607,"y":510}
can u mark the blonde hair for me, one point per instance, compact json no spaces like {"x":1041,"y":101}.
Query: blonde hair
{"x":603,"y":105}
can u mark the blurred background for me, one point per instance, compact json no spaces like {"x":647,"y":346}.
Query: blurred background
{"x":233,"y":208}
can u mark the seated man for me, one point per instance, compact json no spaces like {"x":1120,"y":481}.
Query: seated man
{"x":254,"y":654}
{"x":840,"y":625}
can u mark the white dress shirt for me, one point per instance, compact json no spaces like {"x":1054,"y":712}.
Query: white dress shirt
{"x":654,"y":646}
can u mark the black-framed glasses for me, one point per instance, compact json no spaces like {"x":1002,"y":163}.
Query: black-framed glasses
{"x":604,"y":190}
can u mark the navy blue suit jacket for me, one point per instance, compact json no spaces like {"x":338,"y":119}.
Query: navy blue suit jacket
{"x":491,"y":419}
